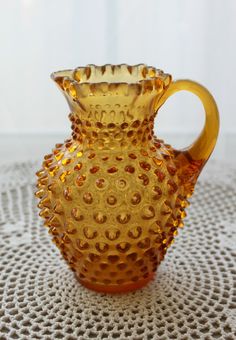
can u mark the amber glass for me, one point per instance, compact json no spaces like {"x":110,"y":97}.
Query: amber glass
{"x":113,"y":195}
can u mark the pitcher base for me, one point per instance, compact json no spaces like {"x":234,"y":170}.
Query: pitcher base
{"x":122,"y":288}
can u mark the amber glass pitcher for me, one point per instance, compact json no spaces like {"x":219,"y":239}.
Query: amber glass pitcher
{"x":114,"y":195}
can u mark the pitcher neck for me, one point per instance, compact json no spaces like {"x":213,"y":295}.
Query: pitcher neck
{"x":110,"y":136}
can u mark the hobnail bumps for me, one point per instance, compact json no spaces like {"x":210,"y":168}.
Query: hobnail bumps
{"x":114,"y":196}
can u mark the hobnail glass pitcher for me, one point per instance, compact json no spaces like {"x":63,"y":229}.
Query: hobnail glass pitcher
{"x":114,"y":195}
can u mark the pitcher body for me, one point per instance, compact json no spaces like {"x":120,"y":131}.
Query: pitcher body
{"x":114,"y":195}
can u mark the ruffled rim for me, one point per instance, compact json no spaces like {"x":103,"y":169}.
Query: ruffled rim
{"x":110,"y":79}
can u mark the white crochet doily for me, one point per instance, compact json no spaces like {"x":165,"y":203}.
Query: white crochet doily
{"x":192,"y":297}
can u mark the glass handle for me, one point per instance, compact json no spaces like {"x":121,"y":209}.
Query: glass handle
{"x":203,"y":146}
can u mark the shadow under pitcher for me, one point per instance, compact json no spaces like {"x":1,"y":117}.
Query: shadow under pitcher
{"x":113,"y":195}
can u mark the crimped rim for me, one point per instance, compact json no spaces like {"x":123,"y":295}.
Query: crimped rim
{"x":111,"y":80}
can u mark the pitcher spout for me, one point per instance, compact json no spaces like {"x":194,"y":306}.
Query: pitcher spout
{"x":111,"y":102}
{"x":139,"y":86}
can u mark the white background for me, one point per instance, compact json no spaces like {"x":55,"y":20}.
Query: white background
{"x":189,"y":39}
